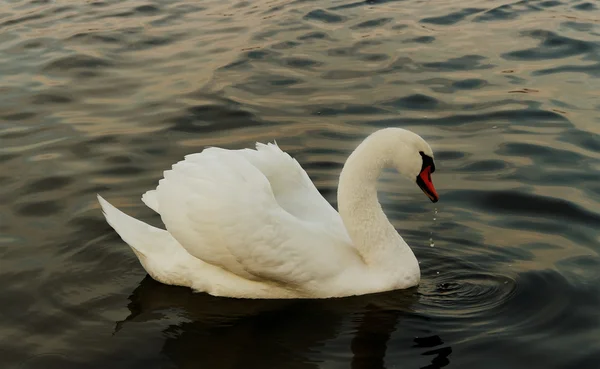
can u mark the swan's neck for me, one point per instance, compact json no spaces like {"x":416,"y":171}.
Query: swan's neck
{"x":376,"y":239}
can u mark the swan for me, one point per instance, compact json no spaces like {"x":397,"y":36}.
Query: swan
{"x":251,"y":224}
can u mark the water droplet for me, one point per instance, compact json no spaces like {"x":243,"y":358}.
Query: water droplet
{"x":431,"y":243}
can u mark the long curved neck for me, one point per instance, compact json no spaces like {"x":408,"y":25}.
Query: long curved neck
{"x":369,"y":228}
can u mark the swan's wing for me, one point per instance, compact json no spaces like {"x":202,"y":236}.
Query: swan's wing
{"x":292,"y":187}
{"x":221,"y":209}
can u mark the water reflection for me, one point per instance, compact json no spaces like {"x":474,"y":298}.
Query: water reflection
{"x":206,"y":331}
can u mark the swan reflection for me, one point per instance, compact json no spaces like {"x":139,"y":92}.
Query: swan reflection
{"x":203,"y":331}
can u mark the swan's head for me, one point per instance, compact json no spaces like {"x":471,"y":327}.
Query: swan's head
{"x":413,"y":158}
{"x":395,"y":147}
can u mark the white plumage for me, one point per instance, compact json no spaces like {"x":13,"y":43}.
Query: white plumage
{"x":251,"y":224}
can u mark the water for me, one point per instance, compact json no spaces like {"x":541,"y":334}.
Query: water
{"x":102,"y":96}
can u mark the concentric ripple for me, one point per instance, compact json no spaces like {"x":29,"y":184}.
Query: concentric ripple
{"x":469,"y":295}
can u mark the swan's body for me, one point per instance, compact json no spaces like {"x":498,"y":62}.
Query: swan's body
{"x":251,"y":224}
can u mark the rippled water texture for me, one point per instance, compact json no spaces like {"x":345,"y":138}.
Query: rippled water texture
{"x":102,"y":96}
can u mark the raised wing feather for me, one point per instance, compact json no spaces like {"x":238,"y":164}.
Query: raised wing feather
{"x":221,"y":208}
{"x":291,"y":185}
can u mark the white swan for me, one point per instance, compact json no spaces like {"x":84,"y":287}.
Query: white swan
{"x":251,"y":224}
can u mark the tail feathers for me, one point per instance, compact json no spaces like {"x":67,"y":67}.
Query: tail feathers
{"x":144,"y":239}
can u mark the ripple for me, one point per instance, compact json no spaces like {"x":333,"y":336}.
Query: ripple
{"x":147,"y":9}
{"x":527,"y":303}
{"x":78,"y":61}
{"x":27,"y":18}
{"x":444,"y":85}
{"x":507,"y":12}
{"x":585,"y":6}
{"x":579,"y":26}
{"x":446,"y":155}
{"x":469,"y":84}
{"x":516,"y":203}
{"x":537,"y":176}
{"x":372,"y":23}
{"x":18,"y":116}
{"x":314,"y":36}
{"x":587,"y":140}
{"x":591,"y":70}
{"x":122,"y":171}
{"x":301,"y":63}
{"x":545,"y":309}
{"x":467,"y":62}
{"x":49,"y":360}
{"x":324,"y":16}
{"x":285,"y":45}
{"x":118,"y":159}
{"x":352,"y":109}
{"x":421,"y":40}
{"x":452,"y":18}
{"x":542,"y":155}
{"x":51,"y":98}
{"x":81,"y":65}
{"x":203,"y":117}
{"x":473,"y":294}
{"x":416,"y":102}
{"x":39,"y":209}
{"x":96,"y":36}
{"x":48,"y":184}
{"x":579,"y":269}
{"x":552,"y":46}
{"x":484,"y":166}
{"x":345,"y":74}
{"x":525,"y":117}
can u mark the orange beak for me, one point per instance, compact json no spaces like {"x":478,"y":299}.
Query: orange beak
{"x":424,"y":182}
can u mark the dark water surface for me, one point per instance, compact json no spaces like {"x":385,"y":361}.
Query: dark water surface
{"x":102,"y":96}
